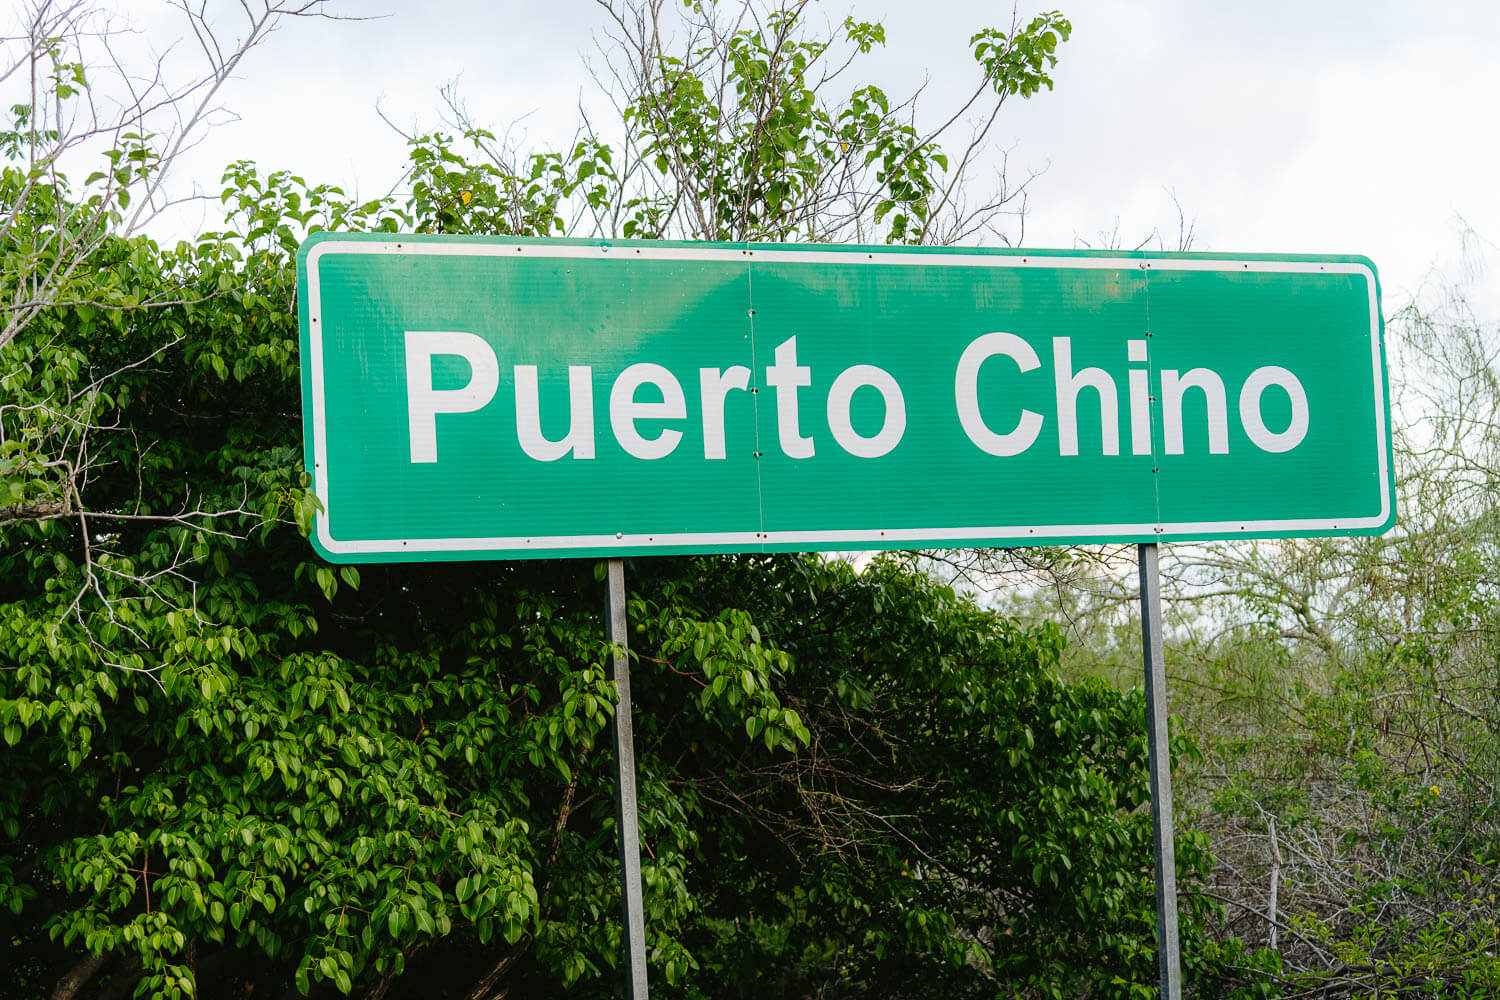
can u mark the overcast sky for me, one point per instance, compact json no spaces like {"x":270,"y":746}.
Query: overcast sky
{"x":1357,"y":126}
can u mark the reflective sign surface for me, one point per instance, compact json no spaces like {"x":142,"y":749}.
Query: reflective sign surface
{"x":468,"y":398}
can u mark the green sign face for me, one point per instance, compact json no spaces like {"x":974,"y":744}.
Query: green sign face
{"x":489,"y":398}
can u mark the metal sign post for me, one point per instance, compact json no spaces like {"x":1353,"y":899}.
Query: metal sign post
{"x":626,"y":822}
{"x":1167,"y":950}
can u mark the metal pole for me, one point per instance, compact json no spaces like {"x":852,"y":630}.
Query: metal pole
{"x":626,"y":822}
{"x":1167,"y":948}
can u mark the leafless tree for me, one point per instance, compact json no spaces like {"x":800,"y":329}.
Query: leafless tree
{"x":83,"y":106}
{"x":87,"y":104}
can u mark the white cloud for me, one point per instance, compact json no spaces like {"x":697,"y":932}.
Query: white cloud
{"x":1341,"y":126}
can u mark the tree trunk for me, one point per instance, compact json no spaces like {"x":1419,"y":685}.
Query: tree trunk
{"x":123,"y":984}
{"x":481,"y":990}
{"x":77,"y":977}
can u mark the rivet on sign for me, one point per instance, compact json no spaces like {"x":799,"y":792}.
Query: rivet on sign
{"x":619,"y":534}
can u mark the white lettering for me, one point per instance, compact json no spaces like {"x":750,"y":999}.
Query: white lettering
{"x":841,"y":394}
{"x":786,"y":376}
{"x":1068,"y":385}
{"x":1140,"y":399}
{"x":966,"y":394}
{"x":1173,"y":387}
{"x":1259,"y":381}
{"x":580,"y":437}
{"x":713,"y":386}
{"x":424,"y":403}
{"x":625,"y":410}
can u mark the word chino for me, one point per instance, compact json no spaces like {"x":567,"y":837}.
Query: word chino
{"x":644,"y":427}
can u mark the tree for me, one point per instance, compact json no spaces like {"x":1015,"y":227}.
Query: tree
{"x":331,"y":777}
{"x":392,"y":780}
{"x":347,"y":775}
{"x":735,"y":122}
{"x":1343,"y":693}
{"x":80,"y":103}
{"x":69,"y":255}
{"x":1369,"y":794}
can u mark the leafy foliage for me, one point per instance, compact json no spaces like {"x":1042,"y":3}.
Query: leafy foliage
{"x":233,"y":768}
{"x":737,"y":124}
{"x":957,"y":825}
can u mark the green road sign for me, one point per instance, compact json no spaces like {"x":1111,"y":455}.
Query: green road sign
{"x":500,"y":398}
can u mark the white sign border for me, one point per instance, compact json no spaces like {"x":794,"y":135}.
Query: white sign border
{"x":853,"y":539}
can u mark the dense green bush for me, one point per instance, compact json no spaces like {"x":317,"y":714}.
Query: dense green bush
{"x":233,"y":769}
